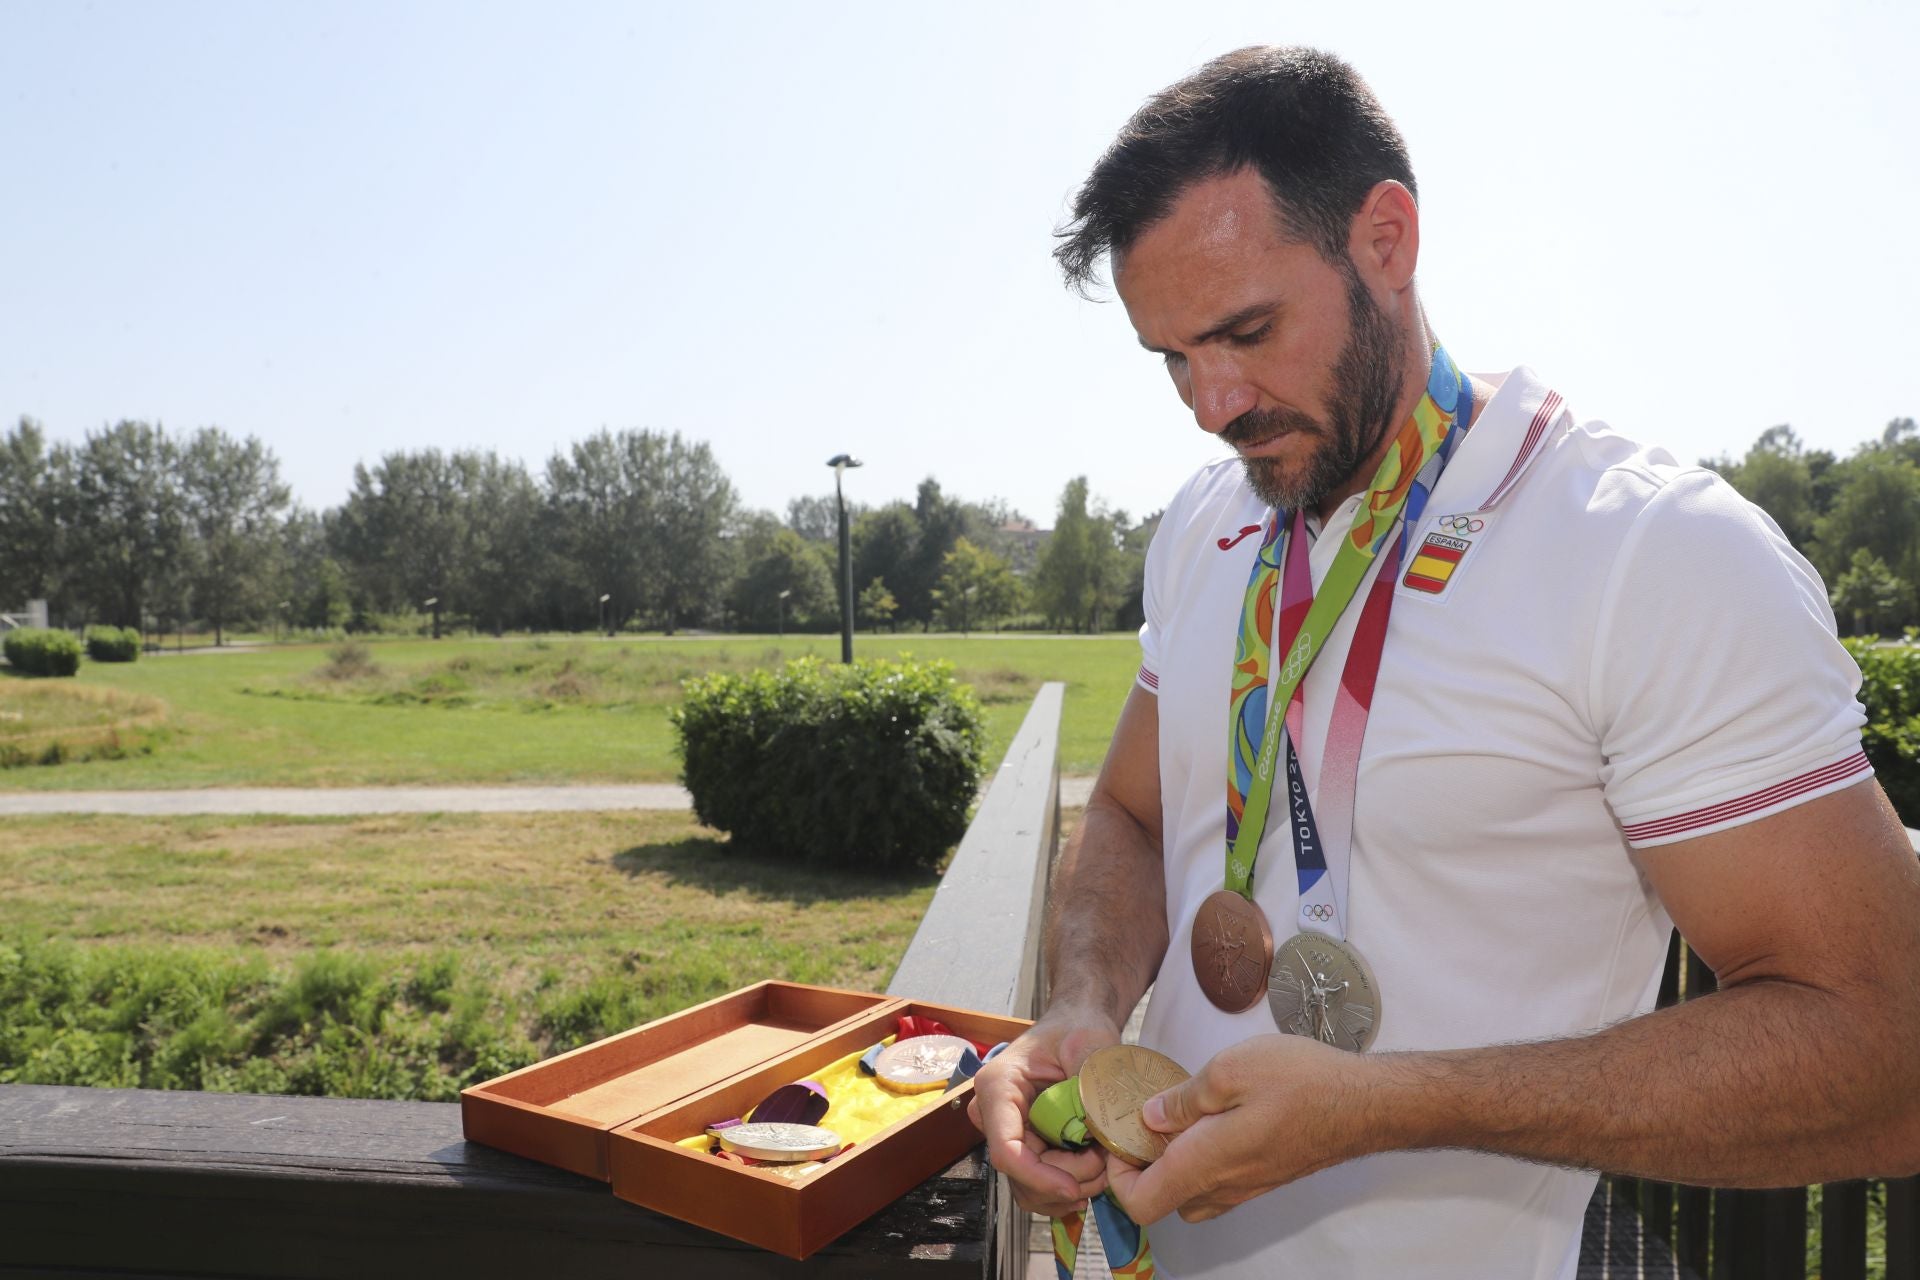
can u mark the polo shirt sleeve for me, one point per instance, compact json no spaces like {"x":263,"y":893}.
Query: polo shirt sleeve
{"x":1152,"y":593}
{"x":1719,"y":690}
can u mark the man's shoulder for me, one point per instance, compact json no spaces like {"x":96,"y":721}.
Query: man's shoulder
{"x":1540,"y":454}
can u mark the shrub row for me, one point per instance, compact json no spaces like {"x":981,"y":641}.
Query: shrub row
{"x":873,"y":764}
{"x":1890,"y":691}
{"x":41,"y":651}
{"x":113,"y":644}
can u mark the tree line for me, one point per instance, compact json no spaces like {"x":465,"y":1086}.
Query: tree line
{"x":1857,"y":519}
{"x":138,"y":526}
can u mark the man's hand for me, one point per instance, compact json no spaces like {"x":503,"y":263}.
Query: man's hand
{"x":1045,"y":1180}
{"x":1259,"y":1115}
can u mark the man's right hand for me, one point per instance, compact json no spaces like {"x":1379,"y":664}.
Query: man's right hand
{"x":1045,"y":1180}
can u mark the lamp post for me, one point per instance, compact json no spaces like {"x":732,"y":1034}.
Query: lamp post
{"x":840,"y":462}
{"x":783,"y":612}
{"x":433,"y":603}
{"x":604,"y":597}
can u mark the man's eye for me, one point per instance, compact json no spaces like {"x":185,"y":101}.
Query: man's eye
{"x":1251,"y":339}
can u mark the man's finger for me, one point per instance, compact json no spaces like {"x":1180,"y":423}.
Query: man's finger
{"x":1021,"y":1161}
{"x":1178,"y":1177}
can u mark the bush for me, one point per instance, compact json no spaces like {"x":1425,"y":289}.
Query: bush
{"x":872,"y":765}
{"x":349,"y":660}
{"x":113,"y":644}
{"x":40,"y":651}
{"x":1890,"y":690}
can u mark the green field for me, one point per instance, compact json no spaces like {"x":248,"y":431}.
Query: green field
{"x":396,"y":956}
{"x":478,"y":711}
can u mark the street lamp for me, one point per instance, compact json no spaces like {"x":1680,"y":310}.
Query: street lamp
{"x":604,"y":597}
{"x":783,"y":612}
{"x":433,"y":603}
{"x":840,"y":462}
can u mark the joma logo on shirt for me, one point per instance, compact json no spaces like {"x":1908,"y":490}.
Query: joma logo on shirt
{"x":1228,"y":544}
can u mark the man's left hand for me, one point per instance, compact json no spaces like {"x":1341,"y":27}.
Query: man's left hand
{"x":1259,"y":1115}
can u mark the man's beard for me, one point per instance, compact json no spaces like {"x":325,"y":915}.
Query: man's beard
{"x":1366,"y":385}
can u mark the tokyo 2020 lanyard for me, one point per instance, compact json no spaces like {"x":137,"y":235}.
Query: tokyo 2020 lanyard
{"x":1233,"y":948}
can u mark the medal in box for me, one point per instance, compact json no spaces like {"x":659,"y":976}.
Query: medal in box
{"x":645,"y":1110}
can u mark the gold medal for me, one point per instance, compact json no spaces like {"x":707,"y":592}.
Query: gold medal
{"x":920,"y":1065}
{"x":1115,"y":1082}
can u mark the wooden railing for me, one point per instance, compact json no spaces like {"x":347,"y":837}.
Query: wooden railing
{"x":143,"y":1183}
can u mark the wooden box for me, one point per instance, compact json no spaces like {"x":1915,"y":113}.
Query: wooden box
{"x":560,"y":1111}
{"x":766,"y":1209}
{"x":616,"y":1109}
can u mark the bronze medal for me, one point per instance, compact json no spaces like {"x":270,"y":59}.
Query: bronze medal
{"x":1115,"y":1082}
{"x":1321,"y":987}
{"x":1232,"y":950}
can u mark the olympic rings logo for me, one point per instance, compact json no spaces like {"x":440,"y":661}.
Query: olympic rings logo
{"x":1461,"y":524}
{"x":1317,"y":911}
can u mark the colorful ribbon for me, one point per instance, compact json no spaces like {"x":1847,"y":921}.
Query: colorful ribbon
{"x":1058,"y":1116}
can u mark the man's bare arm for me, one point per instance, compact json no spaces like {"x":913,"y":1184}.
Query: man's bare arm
{"x":1106,"y":910}
{"x":1804,"y":1067}
{"x":1106,"y":930}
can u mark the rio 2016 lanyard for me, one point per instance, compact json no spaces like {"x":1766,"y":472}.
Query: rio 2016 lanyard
{"x":1259,"y":707}
{"x":1235,"y":960}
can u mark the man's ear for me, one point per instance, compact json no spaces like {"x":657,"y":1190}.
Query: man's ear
{"x":1385,"y":238}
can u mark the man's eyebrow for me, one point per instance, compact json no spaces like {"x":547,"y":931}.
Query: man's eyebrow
{"x":1221,"y":330}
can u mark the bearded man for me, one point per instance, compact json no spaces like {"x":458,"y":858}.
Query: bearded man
{"x":1519,"y":694}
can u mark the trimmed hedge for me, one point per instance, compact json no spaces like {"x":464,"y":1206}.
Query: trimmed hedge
{"x":873,"y":765}
{"x":113,"y":644}
{"x":1890,"y":691}
{"x":40,"y":651}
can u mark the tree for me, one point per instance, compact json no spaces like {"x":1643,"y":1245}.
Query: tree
{"x":407,"y":528}
{"x":974,"y":584}
{"x":507,"y":559}
{"x":1083,"y":574}
{"x":640,"y":516}
{"x":884,"y":543}
{"x":28,"y":529}
{"x":312,"y":583}
{"x":1871,"y":596}
{"x":939,"y":522}
{"x":234,"y":499}
{"x":696,"y":502}
{"x":1876,"y":505}
{"x":877,"y":605}
{"x":124,"y":514}
{"x":777,"y":559}
{"x":817,"y":518}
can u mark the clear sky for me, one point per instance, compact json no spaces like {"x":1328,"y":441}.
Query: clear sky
{"x":793,"y":230}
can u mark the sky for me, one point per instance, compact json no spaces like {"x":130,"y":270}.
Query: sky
{"x":794,"y":231}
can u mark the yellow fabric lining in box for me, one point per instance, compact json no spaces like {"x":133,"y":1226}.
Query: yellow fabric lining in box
{"x":858,"y":1105}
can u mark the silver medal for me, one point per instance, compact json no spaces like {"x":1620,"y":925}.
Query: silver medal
{"x":1320,"y":987}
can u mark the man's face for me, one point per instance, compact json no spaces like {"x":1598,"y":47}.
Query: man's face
{"x":1287,"y":358}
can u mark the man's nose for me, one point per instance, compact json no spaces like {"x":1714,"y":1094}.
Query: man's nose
{"x":1219,"y":396}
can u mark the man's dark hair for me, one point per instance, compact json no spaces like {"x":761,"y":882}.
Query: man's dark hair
{"x":1303,"y":119}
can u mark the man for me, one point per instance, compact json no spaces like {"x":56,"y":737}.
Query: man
{"x":1608,"y":702}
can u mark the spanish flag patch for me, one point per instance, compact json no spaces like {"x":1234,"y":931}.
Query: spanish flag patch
{"x":1435,"y":562}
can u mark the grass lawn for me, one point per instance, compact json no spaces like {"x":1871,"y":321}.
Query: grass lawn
{"x":396,"y":956}
{"x":478,"y":710}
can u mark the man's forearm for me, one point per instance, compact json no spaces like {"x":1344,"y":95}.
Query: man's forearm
{"x":1769,"y":1083}
{"x":1106,"y":916}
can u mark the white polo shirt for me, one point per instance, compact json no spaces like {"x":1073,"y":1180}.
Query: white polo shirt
{"x":1603,"y":649}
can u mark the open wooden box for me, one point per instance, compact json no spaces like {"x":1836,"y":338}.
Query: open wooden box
{"x":615,"y":1109}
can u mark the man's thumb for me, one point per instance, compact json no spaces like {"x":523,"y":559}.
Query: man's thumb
{"x":1173,"y":1110}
